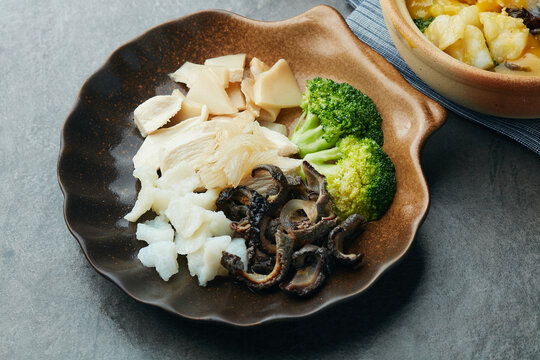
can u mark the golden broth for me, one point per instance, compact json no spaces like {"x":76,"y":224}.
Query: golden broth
{"x":527,"y":64}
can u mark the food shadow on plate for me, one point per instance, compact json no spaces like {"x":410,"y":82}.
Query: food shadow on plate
{"x":350,"y":321}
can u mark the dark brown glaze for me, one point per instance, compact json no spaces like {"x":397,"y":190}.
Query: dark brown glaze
{"x":99,"y":140}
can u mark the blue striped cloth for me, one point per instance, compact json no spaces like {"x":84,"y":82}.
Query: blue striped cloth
{"x":366,"y":21}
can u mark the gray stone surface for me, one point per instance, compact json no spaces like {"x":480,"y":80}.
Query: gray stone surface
{"x":469,"y":288}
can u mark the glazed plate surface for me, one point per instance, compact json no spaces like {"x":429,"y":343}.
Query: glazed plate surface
{"x":99,"y":140}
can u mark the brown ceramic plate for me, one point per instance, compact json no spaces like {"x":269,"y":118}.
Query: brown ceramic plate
{"x":99,"y":141}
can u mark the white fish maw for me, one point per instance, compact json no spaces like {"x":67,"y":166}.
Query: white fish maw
{"x":148,"y":177}
{"x":211,"y":223}
{"x":182,"y":179}
{"x":155,"y":230}
{"x":191,"y":244}
{"x":161,"y":255}
{"x":178,"y":181}
{"x":161,"y":200}
{"x":206,"y":200}
{"x":218,"y":224}
{"x":186,"y":217}
{"x":206,"y":261}
{"x":156,"y":112}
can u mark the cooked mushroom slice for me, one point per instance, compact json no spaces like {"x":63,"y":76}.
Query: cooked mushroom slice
{"x":299,"y":219}
{"x":245,"y":207}
{"x":347,"y":230}
{"x":261,"y":281}
{"x":266,"y":238}
{"x":516,"y":67}
{"x":242,"y":227}
{"x":297,"y":188}
{"x":296,"y":210}
{"x":258,"y":207}
{"x":235,"y":202}
{"x":278,"y":193}
{"x":263,"y":263}
{"x":530,"y":20}
{"x":293,"y":180}
{"x":314,"y":233}
{"x":259,"y":261}
{"x":268,"y":230}
{"x":311,"y":264}
{"x":316,"y":185}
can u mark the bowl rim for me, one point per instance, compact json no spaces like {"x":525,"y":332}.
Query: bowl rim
{"x":445,"y":63}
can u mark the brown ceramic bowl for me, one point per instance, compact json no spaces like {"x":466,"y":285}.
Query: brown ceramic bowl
{"x":99,"y":140}
{"x":487,"y":92}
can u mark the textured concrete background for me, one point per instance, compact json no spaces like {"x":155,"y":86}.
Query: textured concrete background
{"x":468,"y":289}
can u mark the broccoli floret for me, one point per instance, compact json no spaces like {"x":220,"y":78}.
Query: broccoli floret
{"x":422,"y":24}
{"x":360,"y":177}
{"x":340,"y":134}
{"x":334,"y":110}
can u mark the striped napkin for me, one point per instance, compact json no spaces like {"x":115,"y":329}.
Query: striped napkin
{"x":367,"y":22}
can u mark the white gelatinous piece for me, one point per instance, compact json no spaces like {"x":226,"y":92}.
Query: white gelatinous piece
{"x":155,"y":230}
{"x":161,"y":255}
{"x":148,"y":178}
{"x":205,"y":262}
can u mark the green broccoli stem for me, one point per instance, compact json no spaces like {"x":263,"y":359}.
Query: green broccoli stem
{"x":309,"y":135}
{"x":325,"y":161}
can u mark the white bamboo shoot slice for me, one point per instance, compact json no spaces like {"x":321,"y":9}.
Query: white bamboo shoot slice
{"x":277,"y":87}
{"x":207,"y":91}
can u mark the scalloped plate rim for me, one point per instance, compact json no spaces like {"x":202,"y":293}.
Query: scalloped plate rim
{"x":213,"y":318}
